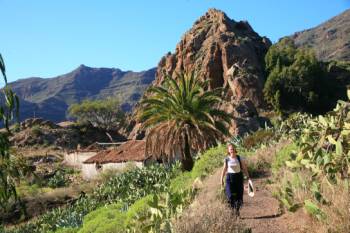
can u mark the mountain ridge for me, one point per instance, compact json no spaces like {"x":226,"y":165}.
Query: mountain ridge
{"x":330,"y":39}
{"x":49,"y":98}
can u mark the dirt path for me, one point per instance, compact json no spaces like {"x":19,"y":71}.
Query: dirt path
{"x":261,"y":213}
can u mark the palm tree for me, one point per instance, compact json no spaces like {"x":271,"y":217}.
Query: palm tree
{"x":182,"y":117}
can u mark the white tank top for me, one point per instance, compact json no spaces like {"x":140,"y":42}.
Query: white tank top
{"x":233,"y":165}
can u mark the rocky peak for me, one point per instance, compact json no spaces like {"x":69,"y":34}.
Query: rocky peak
{"x":230,"y":55}
{"x":212,"y":47}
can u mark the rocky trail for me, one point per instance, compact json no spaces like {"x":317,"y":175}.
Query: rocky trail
{"x":261,"y":213}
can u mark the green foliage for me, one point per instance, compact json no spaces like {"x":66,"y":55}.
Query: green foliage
{"x":298,"y":82}
{"x":257,"y":138}
{"x":131,"y":186}
{"x":125,"y":188}
{"x":314,"y":210}
{"x":107,"y":219}
{"x":114,"y":217}
{"x":36,"y":130}
{"x":283,"y":155}
{"x":317,"y":163}
{"x":153,"y":213}
{"x":324,"y":144}
{"x":205,"y":164}
{"x":182,"y":112}
{"x":139,"y":208}
{"x":66,"y":230}
{"x":11,"y":167}
{"x":26,"y":189}
{"x":58,"y":180}
{"x":161,"y":209}
{"x":105,"y":114}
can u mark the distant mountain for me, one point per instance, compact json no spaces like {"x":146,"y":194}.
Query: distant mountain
{"x":330,"y":40}
{"x":49,"y":98}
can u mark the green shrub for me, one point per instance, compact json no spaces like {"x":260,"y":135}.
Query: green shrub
{"x":114,"y":218}
{"x":297,"y":81}
{"x":36,"y":130}
{"x":209,"y":161}
{"x":66,"y":230}
{"x":125,"y":188}
{"x":137,"y":209}
{"x":58,"y":180}
{"x":26,"y":189}
{"x":204,"y":165}
{"x":283,"y":155}
{"x":257,"y":138}
{"x":107,"y":219}
{"x":182,"y":181}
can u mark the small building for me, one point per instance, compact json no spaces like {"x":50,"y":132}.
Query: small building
{"x":75,"y":158}
{"x":132,"y":151}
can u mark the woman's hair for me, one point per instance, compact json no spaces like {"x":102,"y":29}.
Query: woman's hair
{"x":231,"y":144}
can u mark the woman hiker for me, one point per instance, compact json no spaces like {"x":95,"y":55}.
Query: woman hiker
{"x":234,"y":167}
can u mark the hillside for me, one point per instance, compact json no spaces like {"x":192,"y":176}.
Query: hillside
{"x":49,"y":98}
{"x":330,"y":40}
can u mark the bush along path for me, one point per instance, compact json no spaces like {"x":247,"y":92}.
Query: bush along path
{"x":260,"y":214}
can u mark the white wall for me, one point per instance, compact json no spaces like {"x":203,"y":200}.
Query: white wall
{"x":77,"y":158}
{"x":89,"y":171}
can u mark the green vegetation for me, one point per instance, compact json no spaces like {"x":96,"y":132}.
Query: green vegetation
{"x":182,"y":113}
{"x":11,"y":167}
{"x":283,"y":155}
{"x":262,"y":136}
{"x":314,"y":171}
{"x":36,"y":130}
{"x":153,"y":213}
{"x":105,"y":114}
{"x":58,"y":180}
{"x":125,"y":188}
{"x":297,"y":81}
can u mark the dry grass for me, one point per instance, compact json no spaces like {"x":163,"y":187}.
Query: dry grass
{"x":260,"y":162}
{"x":337,"y":200}
{"x":338,"y":212}
{"x":213,"y":219}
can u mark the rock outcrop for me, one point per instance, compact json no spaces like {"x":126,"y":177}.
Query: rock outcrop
{"x":228,"y":53}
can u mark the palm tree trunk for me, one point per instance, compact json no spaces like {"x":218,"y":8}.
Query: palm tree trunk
{"x":186,"y":160}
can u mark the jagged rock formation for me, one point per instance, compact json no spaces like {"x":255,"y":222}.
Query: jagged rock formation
{"x":330,"y":40}
{"x":49,"y":98}
{"x":228,"y":53}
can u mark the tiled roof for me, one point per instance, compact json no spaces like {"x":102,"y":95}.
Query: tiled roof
{"x":133,"y":150}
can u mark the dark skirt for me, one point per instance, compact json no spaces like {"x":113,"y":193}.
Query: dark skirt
{"x":234,"y":189}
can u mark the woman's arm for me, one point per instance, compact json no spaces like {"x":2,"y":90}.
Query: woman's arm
{"x":245,"y":168}
{"x":224,"y":170}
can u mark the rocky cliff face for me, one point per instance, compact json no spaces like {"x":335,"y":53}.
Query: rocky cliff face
{"x":228,"y":53}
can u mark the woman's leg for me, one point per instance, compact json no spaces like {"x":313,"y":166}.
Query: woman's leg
{"x":228,"y":190}
{"x":240,"y":191}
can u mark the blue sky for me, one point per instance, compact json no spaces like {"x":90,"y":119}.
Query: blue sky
{"x":47,"y":38}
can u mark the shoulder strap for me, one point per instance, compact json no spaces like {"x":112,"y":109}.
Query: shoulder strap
{"x":226,"y":160}
{"x":239,"y":160}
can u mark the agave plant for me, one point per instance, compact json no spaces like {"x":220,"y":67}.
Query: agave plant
{"x":182,"y":117}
